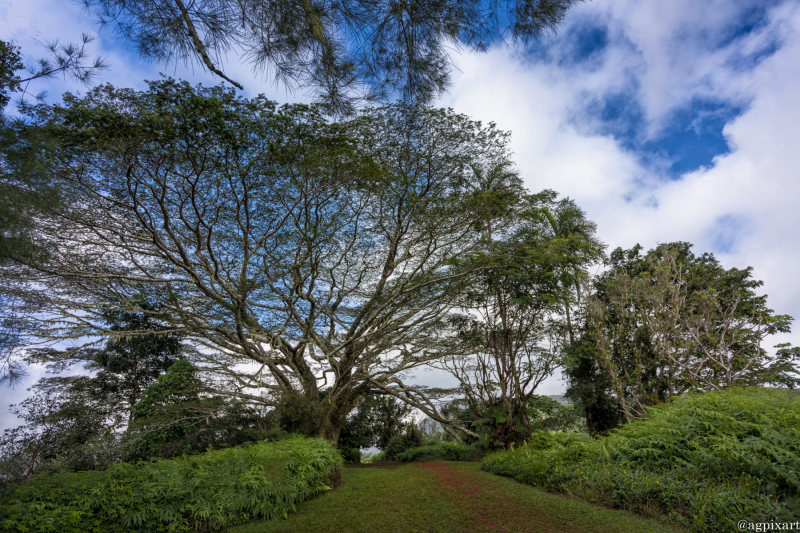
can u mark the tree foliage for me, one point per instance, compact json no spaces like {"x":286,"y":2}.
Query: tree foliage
{"x":26,"y":191}
{"x":10,"y":63}
{"x":64,"y":427}
{"x":165,"y":421}
{"x":510,"y":334}
{"x":670,"y":322}
{"x":341,"y":49}
{"x":77,"y":422}
{"x":376,"y":420}
{"x":326,"y":254}
{"x":142,"y":349}
{"x":71,"y":60}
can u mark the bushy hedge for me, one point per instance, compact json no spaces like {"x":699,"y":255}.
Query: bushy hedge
{"x":205,"y":492}
{"x":447,"y":451}
{"x":706,"y":461}
{"x":351,"y":455}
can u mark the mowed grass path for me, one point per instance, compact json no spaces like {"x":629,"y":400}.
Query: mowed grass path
{"x":446,"y":497}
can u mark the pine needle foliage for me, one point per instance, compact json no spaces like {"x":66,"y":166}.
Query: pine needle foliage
{"x":207,"y":492}
{"x":341,"y":50}
{"x":705,"y":461}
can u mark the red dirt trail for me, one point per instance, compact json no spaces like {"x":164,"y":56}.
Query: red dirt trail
{"x":468,"y":491}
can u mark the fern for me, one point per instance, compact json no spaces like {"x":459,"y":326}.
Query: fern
{"x":705,"y":461}
{"x":205,"y":492}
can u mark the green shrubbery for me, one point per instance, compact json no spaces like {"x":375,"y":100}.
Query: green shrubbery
{"x":205,"y":492}
{"x":706,"y":461}
{"x":412,"y":445}
{"x":447,"y":451}
{"x":351,"y":455}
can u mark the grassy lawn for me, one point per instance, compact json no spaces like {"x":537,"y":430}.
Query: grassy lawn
{"x":446,"y":497}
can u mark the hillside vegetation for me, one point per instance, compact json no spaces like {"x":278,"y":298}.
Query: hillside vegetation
{"x":205,"y":492}
{"x":706,"y":461}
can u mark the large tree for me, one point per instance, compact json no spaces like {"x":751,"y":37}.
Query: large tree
{"x":325,"y":254}
{"x":510,"y":334}
{"x":669,"y":322}
{"x":339,"y":48}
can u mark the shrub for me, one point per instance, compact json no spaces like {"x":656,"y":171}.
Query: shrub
{"x":205,"y":492}
{"x":412,"y":438}
{"x":706,"y":461}
{"x":448,"y":451}
{"x":394,"y":448}
{"x":377,"y":458}
{"x":351,"y":455}
{"x":546,"y":440}
{"x":739,"y":432}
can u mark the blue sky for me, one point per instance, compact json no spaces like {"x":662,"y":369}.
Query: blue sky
{"x":665,"y":121}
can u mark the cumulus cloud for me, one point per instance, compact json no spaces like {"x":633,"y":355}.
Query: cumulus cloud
{"x":657,"y":62}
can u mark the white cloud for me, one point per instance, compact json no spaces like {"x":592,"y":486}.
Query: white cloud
{"x":659,"y":54}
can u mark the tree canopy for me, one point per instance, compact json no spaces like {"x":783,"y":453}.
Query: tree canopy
{"x":325,"y":254}
{"x":342,"y":49}
{"x":667,"y":322}
{"x":510,"y":333}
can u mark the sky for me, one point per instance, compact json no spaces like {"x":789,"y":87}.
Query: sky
{"x":665,"y":121}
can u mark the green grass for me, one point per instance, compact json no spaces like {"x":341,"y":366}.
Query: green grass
{"x":445,"y":497}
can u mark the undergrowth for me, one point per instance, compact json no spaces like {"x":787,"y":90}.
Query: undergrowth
{"x":704,"y":461}
{"x":445,"y":450}
{"x":205,"y":492}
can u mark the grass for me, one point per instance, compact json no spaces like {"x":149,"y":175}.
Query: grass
{"x":444,"y":497}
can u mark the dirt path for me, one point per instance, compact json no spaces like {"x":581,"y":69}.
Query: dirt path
{"x":465,"y":488}
{"x":502,"y":504}
{"x":446,"y":497}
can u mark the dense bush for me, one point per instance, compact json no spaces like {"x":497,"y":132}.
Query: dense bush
{"x":411,"y":438}
{"x":394,"y":448}
{"x":376,"y":458}
{"x":448,"y":451}
{"x":205,"y":492}
{"x":706,"y":461}
{"x":350,"y":455}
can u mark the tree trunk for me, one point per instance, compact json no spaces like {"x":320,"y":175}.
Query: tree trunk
{"x":337,"y":418}
{"x":332,"y":432}
{"x":569,"y":323}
